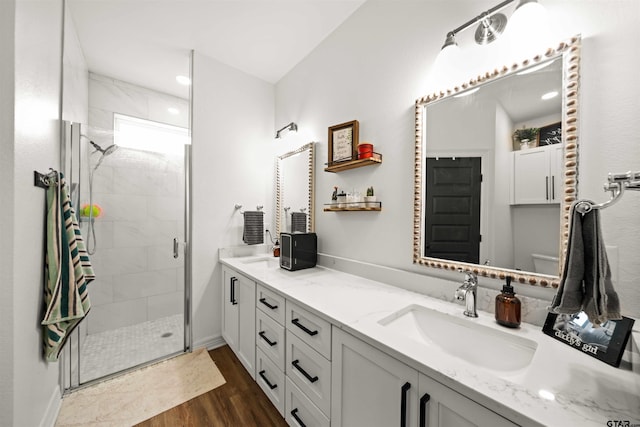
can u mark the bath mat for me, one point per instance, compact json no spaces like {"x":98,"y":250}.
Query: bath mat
{"x":142,"y":394}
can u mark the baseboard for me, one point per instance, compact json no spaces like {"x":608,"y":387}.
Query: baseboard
{"x":210,"y":342}
{"x":53,"y":408}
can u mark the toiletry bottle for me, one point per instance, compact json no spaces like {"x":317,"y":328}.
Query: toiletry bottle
{"x":508,"y":306}
{"x":276,"y":249}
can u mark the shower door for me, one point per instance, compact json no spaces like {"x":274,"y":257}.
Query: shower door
{"x":134,"y":176}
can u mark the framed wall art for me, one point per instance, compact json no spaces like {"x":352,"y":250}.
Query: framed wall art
{"x":343,"y":142}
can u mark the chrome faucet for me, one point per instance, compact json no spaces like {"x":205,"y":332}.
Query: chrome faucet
{"x":467,"y":292}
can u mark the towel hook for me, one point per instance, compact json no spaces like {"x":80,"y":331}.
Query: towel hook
{"x":238,"y":207}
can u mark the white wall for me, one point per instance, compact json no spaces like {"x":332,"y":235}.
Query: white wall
{"x":7,"y":84}
{"x":379,"y":61}
{"x":232,"y":154}
{"x":37,"y":94}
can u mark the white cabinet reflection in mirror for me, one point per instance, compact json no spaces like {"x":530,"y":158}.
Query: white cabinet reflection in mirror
{"x":537,"y":175}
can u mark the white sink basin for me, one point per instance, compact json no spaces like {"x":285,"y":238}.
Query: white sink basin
{"x":265,"y":262}
{"x":463,"y":338}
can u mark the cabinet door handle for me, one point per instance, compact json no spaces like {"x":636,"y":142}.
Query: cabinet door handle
{"x":175,"y":247}
{"x":304,"y":328}
{"x":271,"y":343}
{"x":403,"y":404}
{"x":546,"y":178}
{"x":233,"y":291}
{"x":423,"y":409}
{"x":271,"y":386}
{"x":296,"y":364}
{"x":553,"y":187}
{"x":264,"y":301}
{"x":294,"y":414}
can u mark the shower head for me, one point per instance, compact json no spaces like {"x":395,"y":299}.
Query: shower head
{"x":105,"y":151}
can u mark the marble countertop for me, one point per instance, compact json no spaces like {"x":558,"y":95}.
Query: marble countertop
{"x":560,"y":386}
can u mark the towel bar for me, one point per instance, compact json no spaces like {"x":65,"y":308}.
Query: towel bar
{"x":617,"y":184}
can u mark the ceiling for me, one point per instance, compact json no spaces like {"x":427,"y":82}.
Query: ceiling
{"x":148,"y":42}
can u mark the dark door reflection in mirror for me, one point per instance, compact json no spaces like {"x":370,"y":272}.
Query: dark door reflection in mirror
{"x":452,"y":216}
{"x":479,"y":122}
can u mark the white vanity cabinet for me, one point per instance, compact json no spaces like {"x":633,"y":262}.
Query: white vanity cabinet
{"x":239,"y":316}
{"x":537,"y":175}
{"x":270,"y":346}
{"x":308,"y":367}
{"x":440,"y":406}
{"x":371,"y":388}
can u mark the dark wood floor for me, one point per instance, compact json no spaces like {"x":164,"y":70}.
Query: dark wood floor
{"x":239,"y":402}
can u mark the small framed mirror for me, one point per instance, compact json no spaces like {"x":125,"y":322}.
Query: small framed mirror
{"x":491,"y":197}
{"x":294,"y":191}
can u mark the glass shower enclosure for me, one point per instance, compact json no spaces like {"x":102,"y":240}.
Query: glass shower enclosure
{"x":128,"y":177}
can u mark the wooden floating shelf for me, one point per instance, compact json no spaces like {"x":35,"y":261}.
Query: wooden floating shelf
{"x":352,"y":164}
{"x":334,"y":208}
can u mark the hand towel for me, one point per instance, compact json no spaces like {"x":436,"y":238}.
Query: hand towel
{"x":298,"y":222}
{"x":586,"y":281}
{"x":253,"y":233}
{"x":601,"y":302}
{"x":568,"y":299}
{"x":68,"y":271}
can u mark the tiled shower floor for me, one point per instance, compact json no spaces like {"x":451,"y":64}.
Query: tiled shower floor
{"x":109,"y":352}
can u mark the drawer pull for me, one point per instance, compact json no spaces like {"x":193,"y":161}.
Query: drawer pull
{"x":423,"y":409}
{"x":403,"y":404}
{"x":264,"y":301}
{"x":271,"y":343}
{"x":296,"y":364}
{"x":304,"y":328}
{"x":294,"y":414}
{"x":271,"y":386}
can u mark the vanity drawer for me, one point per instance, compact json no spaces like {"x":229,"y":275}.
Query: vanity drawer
{"x":299,"y":410}
{"x":310,"y":328}
{"x":310,"y":371}
{"x":270,"y":338}
{"x":271,"y":380}
{"x":271,"y":303}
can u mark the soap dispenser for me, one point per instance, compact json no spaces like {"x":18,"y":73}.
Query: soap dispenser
{"x":508,"y":306}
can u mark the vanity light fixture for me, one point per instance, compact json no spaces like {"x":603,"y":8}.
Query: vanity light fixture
{"x":492,"y":23}
{"x":292,"y":127}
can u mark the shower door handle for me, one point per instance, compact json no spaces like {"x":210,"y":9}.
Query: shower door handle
{"x":175,"y":247}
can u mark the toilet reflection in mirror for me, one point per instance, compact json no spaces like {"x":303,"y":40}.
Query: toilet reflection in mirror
{"x":294,"y":190}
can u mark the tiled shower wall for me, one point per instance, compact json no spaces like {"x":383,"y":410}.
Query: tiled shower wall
{"x":142,"y":197}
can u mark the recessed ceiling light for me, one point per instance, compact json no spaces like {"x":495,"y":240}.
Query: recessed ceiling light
{"x":549,"y":95}
{"x":183,"y":80}
{"x":173,"y":110}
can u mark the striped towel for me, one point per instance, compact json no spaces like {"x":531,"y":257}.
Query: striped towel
{"x":253,"y":228}
{"x":68,"y":271}
{"x":298,"y":222}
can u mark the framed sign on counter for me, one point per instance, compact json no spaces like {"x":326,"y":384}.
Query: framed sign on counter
{"x":606,"y":342}
{"x":343,"y":142}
